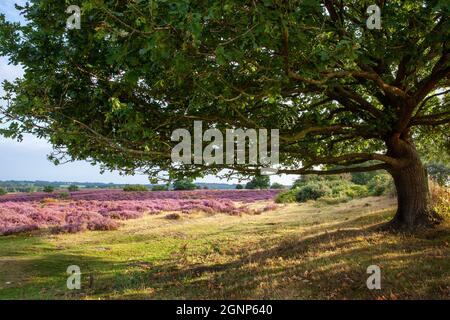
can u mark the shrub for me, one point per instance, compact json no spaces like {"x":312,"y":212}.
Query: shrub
{"x":277,"y":186}
{"x":239,"y":187}
{"x":135,"y":188}
{"x":286,"y":197}
{"x":333,"y":200}
{"x":381,"y":184}
{"x":160,"y":188}
{"x":357,"y":191}
{"x":348,"y":189}
{"x":73,"y":188}
{"x":312,"y":191}
{"x":332,"y":191}
{"x":439,"y":173}
{"x":184,"y":184}
{"x":363,"y":178}
{"x":308,"y":179}
{"x":2,"y":192}
{"x":440,"y":199}
{"x":173,"y":216}
{"x":64,"y":195}
{"x":49,"y":189}
{"x":259,"y":182}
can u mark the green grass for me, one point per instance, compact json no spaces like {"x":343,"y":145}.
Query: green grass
{"x":308,"y":251}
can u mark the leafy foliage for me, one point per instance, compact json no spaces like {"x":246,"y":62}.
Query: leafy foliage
{"x":440,"y":199}
{"x":160,"y":188}
{"x":439,"y":173}
{"x":333,"y":190}
{"x":312,"y":192}
{"x":381,"y":184}
{"x":287,"y":196}
{"x":2,"y":192}
{"x":258,"y":182}
{"x":135,"y":188}
{"x":64,"y":195}
{"x":363,"y":178}
{"x":73,"y":188}
{"x":49,"y":189}
{"x":184,"y":184}
{"x":277,"y":185}
{"x":114,"y":91}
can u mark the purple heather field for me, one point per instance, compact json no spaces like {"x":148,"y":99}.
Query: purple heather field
{"x":104,"y":209}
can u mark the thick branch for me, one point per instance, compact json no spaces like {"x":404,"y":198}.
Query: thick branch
{"x":422,"y":105}
{"x":316,"y":130}
{"x":440,"y":71}
{"x":336,"y":171}
{"x":431,"y":122}
{"x":356,"y":156}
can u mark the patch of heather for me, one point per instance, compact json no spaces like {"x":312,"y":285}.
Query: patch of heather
{"x":246,"y":196}
{"x":103,"y":210}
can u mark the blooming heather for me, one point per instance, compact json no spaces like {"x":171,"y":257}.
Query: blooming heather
{"x":104,"y":209}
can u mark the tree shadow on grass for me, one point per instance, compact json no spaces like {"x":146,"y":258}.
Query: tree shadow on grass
{"x":45,"y":276}
{"x":310,"y":265}
{"x":329,"y":265}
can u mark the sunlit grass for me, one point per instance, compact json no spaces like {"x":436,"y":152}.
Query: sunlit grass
{"x":309,"y":251}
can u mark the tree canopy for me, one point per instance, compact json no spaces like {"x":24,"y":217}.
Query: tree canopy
{"x":258,"y":182}
{"x":340,"y":93}
{"x":184,"y":184}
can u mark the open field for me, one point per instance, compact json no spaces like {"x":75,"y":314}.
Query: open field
{"x":104,"y":209}
{"x":294,"y":252}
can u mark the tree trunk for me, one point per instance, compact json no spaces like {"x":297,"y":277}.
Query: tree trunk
{"x":411,"y":182}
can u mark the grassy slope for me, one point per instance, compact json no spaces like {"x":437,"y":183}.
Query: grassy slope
{"x":296,"y":252}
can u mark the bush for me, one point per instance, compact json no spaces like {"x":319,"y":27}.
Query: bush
{"x":333,"y":200}
{"x":439,"y":173}
{"x":135,"y":188}
{"x":73,"y":188}
{"x":440,"y":199}
{"x":64,"y":195}
{"x":312,"y":191}
{"x":356,"y":191}
{"x":381,"y":184}
{"x":363,"y":178}
{"x":307,"y":179}
{"x":2,"y":192}
{"x":173,"y":216}
{"x":335,"y":189}
{"x":184,"y":184}
{"x":49,"y":189}
{"x":259,"y":182}
{"x":239,"y":187}
{"x":277,"y":186}
{"x":160,"y":188}
{"x":286,"y":197}
{"x":347,"y":189}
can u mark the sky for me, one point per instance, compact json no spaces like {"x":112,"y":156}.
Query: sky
{"x":27,"y":160}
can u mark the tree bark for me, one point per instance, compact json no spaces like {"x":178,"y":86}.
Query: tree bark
{"x":411,"y":182}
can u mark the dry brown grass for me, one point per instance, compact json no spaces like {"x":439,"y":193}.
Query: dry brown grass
{"x":440,"y":199}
